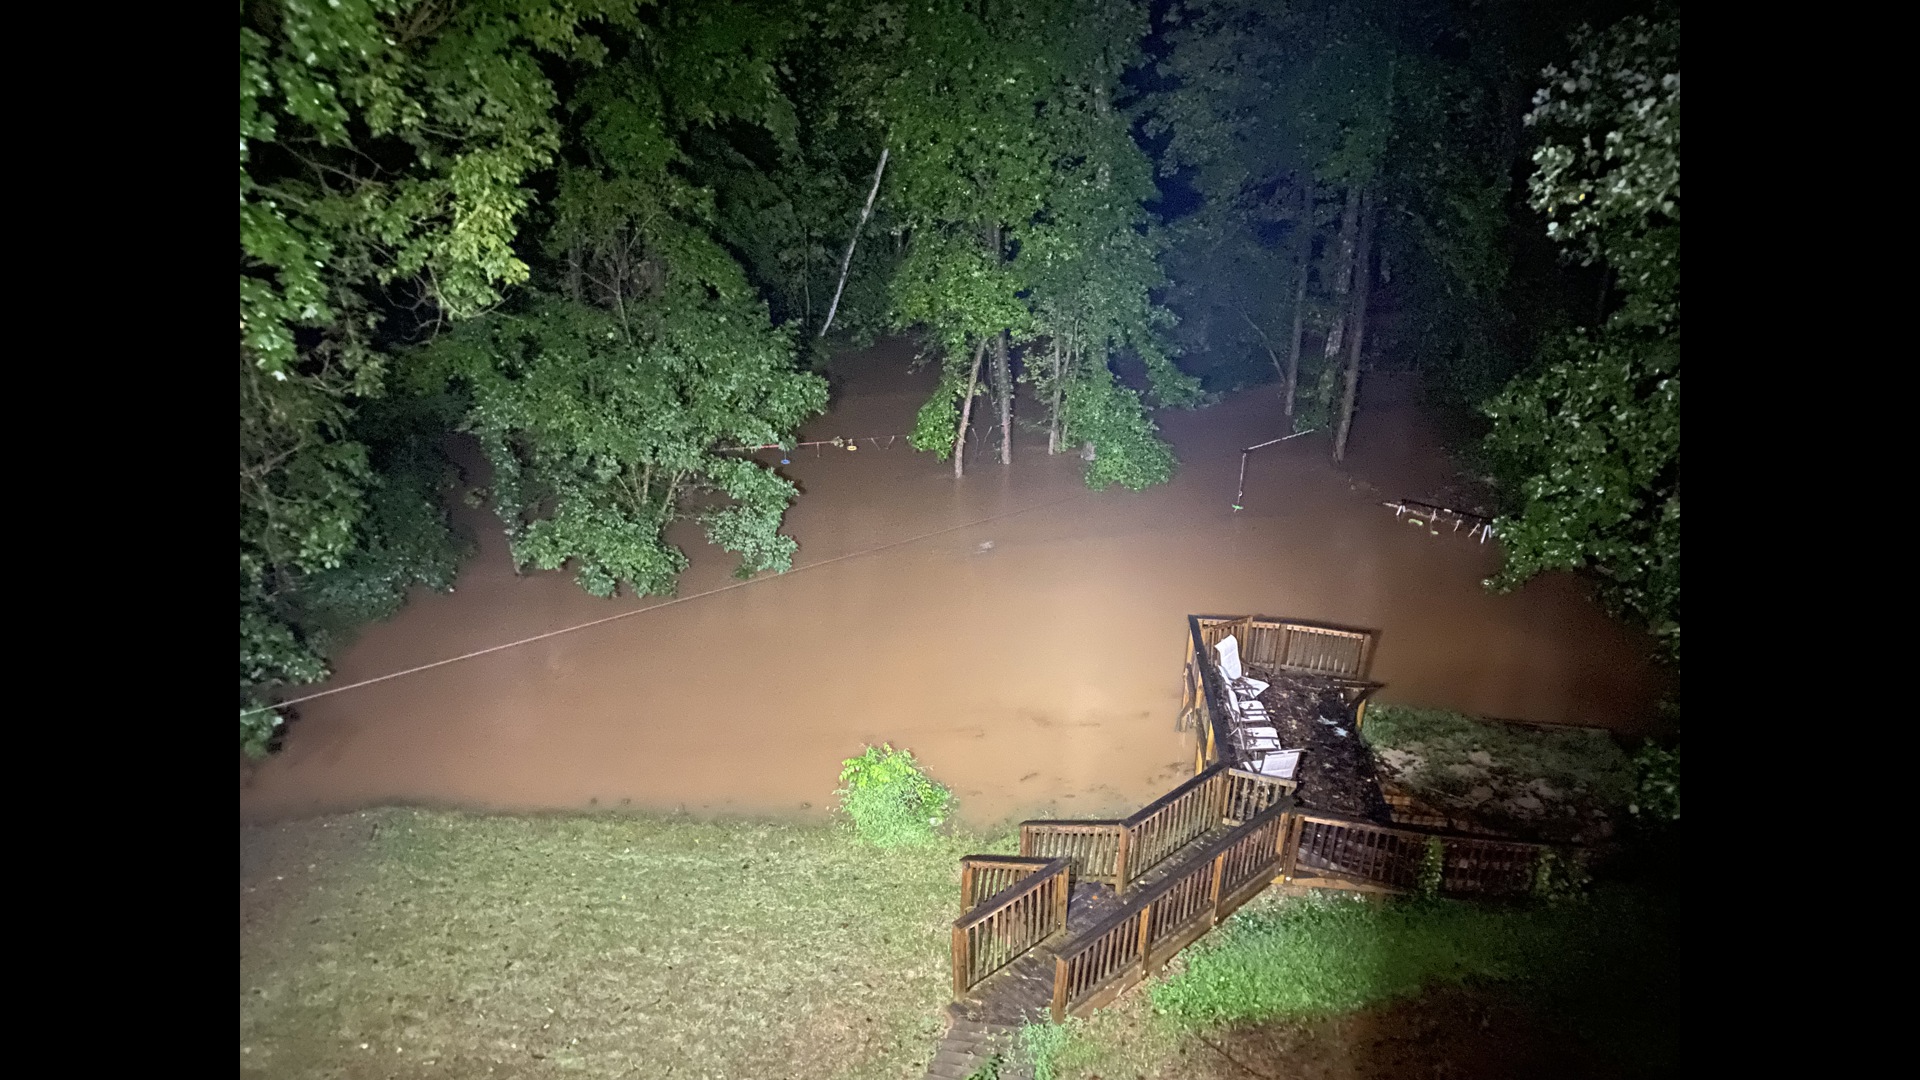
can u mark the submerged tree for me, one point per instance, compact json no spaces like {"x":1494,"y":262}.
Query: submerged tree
{"x":1597,"y":432}
{"x":1019,"y":195}
{"x":385,"y":149}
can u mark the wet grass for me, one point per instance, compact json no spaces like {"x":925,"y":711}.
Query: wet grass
{"x":460,"y":945}
{"x":1451,"y":753}
{"x":1606,"y":968}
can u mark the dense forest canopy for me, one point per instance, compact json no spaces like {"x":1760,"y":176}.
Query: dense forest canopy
{"x":603,"y":238}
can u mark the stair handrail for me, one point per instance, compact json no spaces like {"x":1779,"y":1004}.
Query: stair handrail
{"x":1005,"y":926}
{"x":1136,"y":947}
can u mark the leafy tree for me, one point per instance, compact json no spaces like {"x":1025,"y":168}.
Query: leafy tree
{"x":385,"y":147}
{"x":1020,"y":192}
{"x":608,"y":409}
{"x":1597,"y":432}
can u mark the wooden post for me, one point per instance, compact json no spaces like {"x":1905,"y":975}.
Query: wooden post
{"x":1146,"y":927}
{"x":1059,"y":989}
{"x":1219,"y":866}
{"x":959,"y":963}
{"x":1120,"y":861}
{"x":1289,"y":844}
{"x":966,"y":886}
{"x":1063,"y":895}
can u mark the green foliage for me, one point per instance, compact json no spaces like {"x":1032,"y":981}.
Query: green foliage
{"x":989,"y":1069}
{"x":258,"y":726}
{"x":1597,"y":435}
{"x":1607,"y":173}
{"x":601,"y":428}
{"x":1597,"y":432}
{"x":1433,"y":869}
{"x":1560,"y":876}
{"x":385,"y":149}
{"x":1656,"y":790}
{"x":1113,"y":419}
{"x":890,"y":801}
{"x":1319,"y":956}
{"x":1043,"y":1044}
{"x":1318,"y":394}
{"x":1018,"y":192}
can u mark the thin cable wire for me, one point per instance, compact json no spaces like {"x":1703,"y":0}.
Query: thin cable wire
{"x":653,"y":607}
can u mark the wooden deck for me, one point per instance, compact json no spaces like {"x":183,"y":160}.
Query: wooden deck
{"x":1091,"y":908}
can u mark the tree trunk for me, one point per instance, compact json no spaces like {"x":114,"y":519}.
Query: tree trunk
{"x":1343,"y":267}
{"x":1302,"y":261}
{"x":966,"y":412}
{"x":847,"y":259}
{"x":1053,"y":414}
{"x":1362,"y":280}
{"x":1003,"y":375}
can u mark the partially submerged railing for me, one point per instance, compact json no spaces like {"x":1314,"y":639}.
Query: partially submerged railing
{"x":1363,"y":851}
{"x":1128,"y":945}
{"x":1030,"y":908}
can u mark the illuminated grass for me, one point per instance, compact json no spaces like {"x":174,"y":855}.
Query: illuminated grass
{"x":461,"y":945}
{"x":1608,"y":967}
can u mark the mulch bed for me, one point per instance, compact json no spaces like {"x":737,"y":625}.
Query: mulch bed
{"x":1336,"y":773}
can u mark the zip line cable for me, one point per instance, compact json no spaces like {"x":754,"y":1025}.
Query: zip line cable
{"x":655,"y":607}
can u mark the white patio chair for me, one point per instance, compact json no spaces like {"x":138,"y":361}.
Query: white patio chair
{"x":1247,"y":710}
{"x":1231,"y":672}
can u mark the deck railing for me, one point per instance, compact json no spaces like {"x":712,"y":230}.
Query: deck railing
{"x":1128,"y":945}
{"x":1031,"y":908}
{"x":1204,"y":706}
{"x":1249,"y":793}
{"x":1092,"y":847}
{"x":1121,"y":852}
{"x":1358,"y":850}
{"x":1289,"y":644}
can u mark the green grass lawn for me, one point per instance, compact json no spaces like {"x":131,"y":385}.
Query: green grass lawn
{"x":1553,"y":782}
{"x":412,"y":943}
{"x":1606,"y":969}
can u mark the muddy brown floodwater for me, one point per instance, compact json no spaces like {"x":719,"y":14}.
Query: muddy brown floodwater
{"x":1038,"y":674}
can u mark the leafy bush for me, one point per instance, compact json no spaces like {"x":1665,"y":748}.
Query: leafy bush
{"x":1043,"y":1043}
{"x":1559,"y":876}
{"x":891,"y":801}
{"x":1433,"y":868}
{"x":1656,"y":784}
{"x":257,"y":728}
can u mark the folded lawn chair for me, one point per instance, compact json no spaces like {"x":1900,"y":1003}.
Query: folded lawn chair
{"x":1279,"y":764}
{"x":1247,"y":708}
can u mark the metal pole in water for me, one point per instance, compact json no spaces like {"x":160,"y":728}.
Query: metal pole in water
{"x":1241,"y":491}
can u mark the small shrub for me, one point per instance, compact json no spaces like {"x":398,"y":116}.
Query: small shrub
{"x":1433,"y":868}
{"x":1042,"y":1043}
{"x":1559,"y":876}
{"x":988,"y":1070}
{"x":1656,"y":784}
{"x":891,"y":802}
{"x":258,"y":729}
